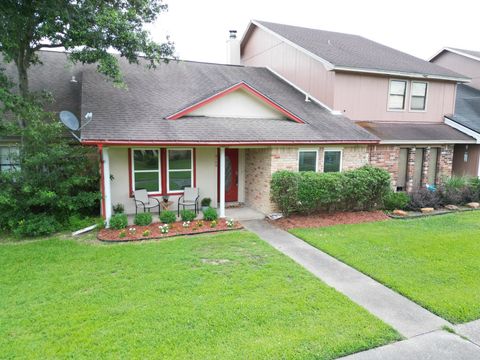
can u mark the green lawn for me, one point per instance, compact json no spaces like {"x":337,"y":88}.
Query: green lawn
{"x":434,"y":261}
{"x":220,"y":296}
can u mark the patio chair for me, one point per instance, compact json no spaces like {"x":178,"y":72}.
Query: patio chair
{"x":189,"y":198}
{"x":142,"y":200}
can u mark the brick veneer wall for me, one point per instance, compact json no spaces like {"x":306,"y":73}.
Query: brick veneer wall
{"x":386,"y":157}
{"x":353,"y":157}
{"x":444,"y":163}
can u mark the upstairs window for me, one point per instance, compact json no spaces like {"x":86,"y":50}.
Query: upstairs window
{"x":397,"y":94}
{"x":146,"y":170}
{"x":180,"y":169}
{"x":307,"y":160}
{"x":332,"y":161}
{"x":9,"y":158}
{"x":418,"y":98}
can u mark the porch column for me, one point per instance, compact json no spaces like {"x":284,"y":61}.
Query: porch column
{"x":107,"y":198}
{"x":425,"y":166}
{"x":410,"y":168}
{"x":222,"y":182}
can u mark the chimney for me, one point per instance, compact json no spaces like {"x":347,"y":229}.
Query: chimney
{"x":233,"y":48}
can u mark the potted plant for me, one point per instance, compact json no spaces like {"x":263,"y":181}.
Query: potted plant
{"x":165,"y":198}
{"x":205,"y":203}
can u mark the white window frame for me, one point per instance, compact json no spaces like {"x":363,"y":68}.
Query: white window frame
{"x":12,"y":166}
{"x":340,"y":150}
{"x":147,"y":171}
{"x":308,"y":150}
{"x":405,"y":97}
{"x":411,"y":95}
{"x":177,"y":170}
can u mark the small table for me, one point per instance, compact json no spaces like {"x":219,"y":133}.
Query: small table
{"x":165,"y":205}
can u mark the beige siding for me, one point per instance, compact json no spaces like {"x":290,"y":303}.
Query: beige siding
{"x":470,"y":167}
{"x":461,"y":65}
{"x":207,"y":173}
{"x":363,"y":97}
{"x":264,"y":49}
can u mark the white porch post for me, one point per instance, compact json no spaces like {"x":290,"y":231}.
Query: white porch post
{"x":222,"y":182}
{"x":106,"y":185}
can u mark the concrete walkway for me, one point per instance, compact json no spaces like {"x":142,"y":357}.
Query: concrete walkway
{"x":438,"y":345}
{"x":408,"y":318}
{"x":470,"y":330}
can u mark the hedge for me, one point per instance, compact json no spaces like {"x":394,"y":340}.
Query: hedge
{"x":306,"y":192}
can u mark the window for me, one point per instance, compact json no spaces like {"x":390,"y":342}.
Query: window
{"x":418,"y":96}
{"x":396,"y":94}
{"x":307,"y":160}
{"x":9,"y":158}
{"x":332,"y":161}
{"x":180,"y":169}
{"x":146,"y":169}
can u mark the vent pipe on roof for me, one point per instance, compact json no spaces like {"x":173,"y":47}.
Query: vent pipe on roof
{"x":233,"y":48}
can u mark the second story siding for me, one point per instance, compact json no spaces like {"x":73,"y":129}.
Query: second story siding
{"x":461,"y":64}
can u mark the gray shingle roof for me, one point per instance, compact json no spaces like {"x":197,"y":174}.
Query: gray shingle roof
{"x":416,"y":133}
{"x":467,"y":107}
{"x":138,"y":113}
{"x":353,"y":51}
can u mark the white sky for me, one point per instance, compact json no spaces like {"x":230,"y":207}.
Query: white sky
{"x":419,"y":27}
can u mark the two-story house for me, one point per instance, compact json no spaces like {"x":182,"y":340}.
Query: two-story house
{"x":399,"y":98}
{"x":466,"y":117}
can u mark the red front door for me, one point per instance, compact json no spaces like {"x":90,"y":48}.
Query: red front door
{"x":231,"y":175}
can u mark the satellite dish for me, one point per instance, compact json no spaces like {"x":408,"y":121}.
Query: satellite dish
{"x":69,"y":120}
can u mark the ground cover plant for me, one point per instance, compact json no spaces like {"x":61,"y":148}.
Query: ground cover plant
{"x":224,"y":296}
{"x":434,"y":261}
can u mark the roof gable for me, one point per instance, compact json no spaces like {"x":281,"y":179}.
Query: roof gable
{"x":237,"y":101}
{"x":347,"y":52}
{"x":474,"y":55}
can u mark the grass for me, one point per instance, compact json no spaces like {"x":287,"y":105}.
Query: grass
{"x":222,"y":296}
{"x":434,"y":261}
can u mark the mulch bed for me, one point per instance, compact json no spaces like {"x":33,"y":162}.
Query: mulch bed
{"x":329,"y":219}
{"x":176,"y":229}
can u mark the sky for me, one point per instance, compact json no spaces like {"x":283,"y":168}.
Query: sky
{"x":418,"y":27}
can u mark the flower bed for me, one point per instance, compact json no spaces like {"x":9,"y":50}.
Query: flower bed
{"x":159,"y":230}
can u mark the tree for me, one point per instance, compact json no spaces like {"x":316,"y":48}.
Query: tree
{"x":88,"y":29}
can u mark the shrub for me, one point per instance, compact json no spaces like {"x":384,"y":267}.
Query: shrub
{"x":77,"y":222}
{"x":396,"y":200}
{"x":210,"y":214}
{"x":36,"y":225}
{"x":423,"y":198}
{"x":118,"y":221}
{"x":319,"y":191}
{"x":167,"y":217}
{"x":475,"y":186}
{"x":284,"y":190}
{"x":206,"y":202}
{"x":188,"y":215}
{"x":143,"y":219}
{"x":118,"y":209}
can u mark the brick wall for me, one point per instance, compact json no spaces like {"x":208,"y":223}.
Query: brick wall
{"x":353,"y":157}
{"x":258,"y":164}
{"x":386,"y":157}
{"x":444,"y":163}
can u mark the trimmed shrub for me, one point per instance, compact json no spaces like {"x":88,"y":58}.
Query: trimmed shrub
{"x":475,"y":186}
{"x":210,"y":214}
{"x":36,"y":225}
{"x":188,"y":215}
{"x":284,"y":190}
{"x":118,"y":221}
{"x":143,"y":219}
{"x":168,"y":217}
{"x":396,"y":200}
{"x":423,"y":198}
{"x":307,"y":192}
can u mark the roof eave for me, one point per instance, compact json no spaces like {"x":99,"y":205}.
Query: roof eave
{"x":97,"y":142}
{"x":426,"y":142}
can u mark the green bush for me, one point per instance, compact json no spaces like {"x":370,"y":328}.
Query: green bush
{"x":284,"y":190}
{"x":143,"y":219}
{"x":210,"y":214}
{"x":307,"y":192}
{"x":36,"y":225}
{"x":188,"y":215}
{"x":118,"y":208}
{"x":77,"y":222}
{"x":206,"y":202}
{"x":396,"y":201}
{"x":118,"y":221}
{"x":168,"y":217}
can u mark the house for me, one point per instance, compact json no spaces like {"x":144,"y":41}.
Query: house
{"x":397,"y":97}
{"x":222,"y":128}
{"x":466,"y":116}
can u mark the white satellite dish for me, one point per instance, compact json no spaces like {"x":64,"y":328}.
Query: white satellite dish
{"x":71,"y":121}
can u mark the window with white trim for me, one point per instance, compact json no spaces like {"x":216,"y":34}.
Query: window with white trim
{"x":307,"y":160}
{"x":179,"y":169}
{"x":332,"y":160}
{"x":418,"y":96}
{"x":146,"y":170}
{"x":9,"y":158}
{"x":396,"y":94}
